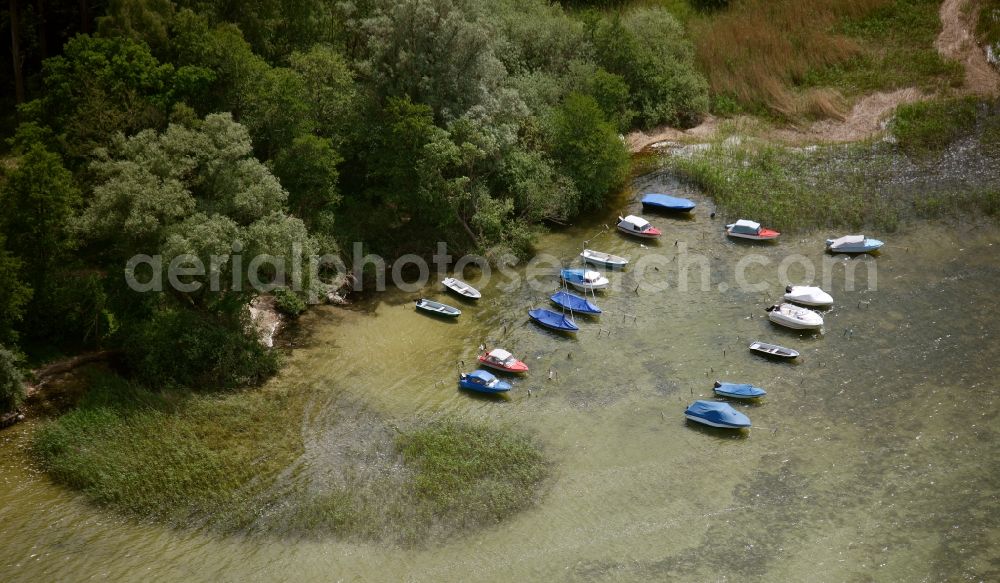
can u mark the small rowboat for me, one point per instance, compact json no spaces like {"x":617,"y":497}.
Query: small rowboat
{"x":716,"y":414}
{"x":773,"y":350}
{"x":461,"y":288}
{"x":792,"y":316}
{"x":553,"y":320}
{"x":743,"y":229}
{"x":605,"y":259}
{"x":584,"y":279}
{"x":437,"y":308}
{"x":738,"y":390}
{"x":667,"y":203}
{"x":500,"y":359}
{"x":482,"y":381}
{"x":853,"y":244}
{"x":575,"y":303}
{"x":808,"y":295}
{"x":637,"y":226}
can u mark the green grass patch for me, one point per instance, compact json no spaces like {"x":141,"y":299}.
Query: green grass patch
{"x":988,"y":25}
{"x":472,"y":473}
{"x":897,"y":42}
{"x":764,"y":183}
{"x":927,"y":127}
{"x":173,"y":456}
{"x":227,"y":461}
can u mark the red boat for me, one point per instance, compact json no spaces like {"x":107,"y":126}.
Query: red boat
{"x":637,"y":227}
{"x":500,"y":359}
{"x":744,"y":229}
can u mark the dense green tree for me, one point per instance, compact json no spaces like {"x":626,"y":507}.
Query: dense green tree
{"x":648,"y":49}
{"x":588,"y":149}
{"x":330,"y":91}
{"x":11,"y":381}
{"x":181,"y":347}
{"x":198,"y":192}
{"x":100,"y":87}
{"x":535,"y":36}
{"x":146,"y":21}
{"x":308,"y":169}
{"x":14,"y":294}
{"x":270,"y":102}
{"x":610,"y":91}
{"x":153,"y":180}
{"x":540,"y":192}
{"x":44,"y":197}
{"x":431,"y":51}
{"x":273,"y":28}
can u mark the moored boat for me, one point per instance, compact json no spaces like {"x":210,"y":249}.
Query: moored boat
{"x":666,"y":202}
{"x":500,"y":359}
{"x":605,"y":259}
{"x":584,"y":279}
{"x":773,"y":350}
{"x":808,"y":295}
{"x":461,"y":288}
{"x":738,"y":390}
{"x":637,"y":226}
{"x":574,"y":303}
{"x":437,"y":308}
{"x":716,"y":414}
{"x":744,"y":229}
{"x":553,"y":320}
{"x":793,"y":316}
{"x":482,"y":381}
{"x":853,"y":244}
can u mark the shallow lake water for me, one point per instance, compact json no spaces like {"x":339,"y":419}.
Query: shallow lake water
{"x":873,"y":457}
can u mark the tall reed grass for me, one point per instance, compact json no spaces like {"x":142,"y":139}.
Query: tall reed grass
{"x":796,"y":59}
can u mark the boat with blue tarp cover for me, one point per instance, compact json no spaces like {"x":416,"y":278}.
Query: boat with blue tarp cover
{"x":716,"y":414}
{"x":665,"y":202}
{"x":575,"y":303}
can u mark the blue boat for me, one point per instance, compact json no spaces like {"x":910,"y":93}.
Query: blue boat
{"x":482,"y":381}
{"x":584,"y":279}
{"x":716,"y":414}
{"x":738,"y":390}
{"x":574,"y":302}
{"x":553,"y":320}
{"x":665,"y":202}
{"x":853,"y":244}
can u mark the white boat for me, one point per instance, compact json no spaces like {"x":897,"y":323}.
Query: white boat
{"x":744,"y":229}
{"x":808,"y":295}
{"x":461,"y":288}
{"x":638,"y":227}
{"x":584,"y":279}
{"x":606,"y":259}
{"x":793,"y":316}
{"x":853,"y":244}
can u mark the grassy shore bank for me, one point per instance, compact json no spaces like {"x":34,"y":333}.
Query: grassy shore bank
{"x":940,"y":159}
{"x":222,"y":461}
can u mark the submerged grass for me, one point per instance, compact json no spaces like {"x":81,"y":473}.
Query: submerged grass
{"x":472,"y":473}
{"x":764,"y":182}
{"x":222,"y":461}
{"x":175,"y":456}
